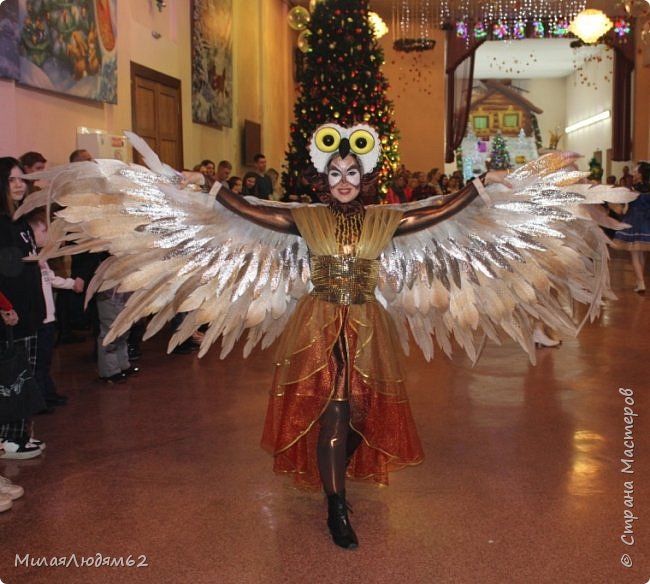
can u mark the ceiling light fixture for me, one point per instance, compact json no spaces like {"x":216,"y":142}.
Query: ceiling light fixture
{"x":590,"y":25}
{"x":588,"y":122}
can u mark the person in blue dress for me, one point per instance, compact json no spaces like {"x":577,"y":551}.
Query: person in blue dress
{"x":636,"y":238}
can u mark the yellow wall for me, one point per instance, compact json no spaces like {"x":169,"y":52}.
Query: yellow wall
{"x":417,"y":89}
{"x":47,"y":122}
{"x":641,"y":116}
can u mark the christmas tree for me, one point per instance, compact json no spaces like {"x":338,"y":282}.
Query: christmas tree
{"x":341,"y":82}
{"x":499,"y":155}
{"x":595,"y":170}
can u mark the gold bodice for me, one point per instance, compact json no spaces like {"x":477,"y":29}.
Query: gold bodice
{"x":344,"y":279}
{"x":345,"y":250}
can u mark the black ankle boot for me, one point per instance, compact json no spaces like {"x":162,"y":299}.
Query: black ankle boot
{"x":339,"y":523}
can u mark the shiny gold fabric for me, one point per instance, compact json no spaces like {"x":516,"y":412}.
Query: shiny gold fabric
{"x":306,"y":371}
{"x":344,"y":279}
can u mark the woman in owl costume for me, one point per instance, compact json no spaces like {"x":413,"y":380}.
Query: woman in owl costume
{"x":340,"y":284}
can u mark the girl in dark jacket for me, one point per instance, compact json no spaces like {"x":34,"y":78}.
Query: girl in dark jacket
{"x":20,"y":282}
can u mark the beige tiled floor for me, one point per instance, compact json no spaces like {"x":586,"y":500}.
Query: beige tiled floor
{"x":522,"y":483}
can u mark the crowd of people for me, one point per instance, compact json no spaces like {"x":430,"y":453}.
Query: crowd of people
{"x":410,"y":186}
{"x":264,"y":183}
{"x":260,"y":182}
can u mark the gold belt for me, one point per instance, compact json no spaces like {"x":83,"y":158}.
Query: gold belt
{"x":344,"y":279}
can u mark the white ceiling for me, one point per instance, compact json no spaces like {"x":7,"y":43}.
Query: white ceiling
{"x":530,"y":58}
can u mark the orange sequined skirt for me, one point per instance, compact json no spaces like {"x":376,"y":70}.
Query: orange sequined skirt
{"x":304,"y":383}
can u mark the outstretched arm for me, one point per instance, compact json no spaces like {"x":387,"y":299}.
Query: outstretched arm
{"x":423,"y":217}
{"x":271,"y":217}
{"x":276,"y":218}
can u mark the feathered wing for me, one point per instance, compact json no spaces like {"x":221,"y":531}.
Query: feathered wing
{"x":507,"y":259}
{"x":176,"y":251}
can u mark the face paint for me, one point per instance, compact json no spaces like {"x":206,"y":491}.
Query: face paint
{"x":344,"y":178}
{"x":344,"y":169}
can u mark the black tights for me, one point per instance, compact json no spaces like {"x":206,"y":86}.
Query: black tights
{"x":336,"y":440}
{"x":336,"y":444}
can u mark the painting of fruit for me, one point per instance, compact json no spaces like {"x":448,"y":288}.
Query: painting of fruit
{"x":69,"y":46}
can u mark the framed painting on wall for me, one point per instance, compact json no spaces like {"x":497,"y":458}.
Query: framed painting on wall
{"x":212,"y":62}
{"x":9,"y":37}
{"x":66,"y":46}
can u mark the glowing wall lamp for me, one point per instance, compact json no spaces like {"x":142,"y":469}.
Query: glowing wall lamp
{"x":588,"y":122}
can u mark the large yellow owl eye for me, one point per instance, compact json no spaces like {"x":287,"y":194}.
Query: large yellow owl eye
{"x":361,"y":141}
{"x":327,"y":139}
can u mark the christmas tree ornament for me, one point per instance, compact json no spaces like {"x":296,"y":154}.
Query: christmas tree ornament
{"x":298,"y":18}
{"x":303,"y":41}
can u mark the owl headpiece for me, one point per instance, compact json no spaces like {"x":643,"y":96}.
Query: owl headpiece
{"x":331,"y":139}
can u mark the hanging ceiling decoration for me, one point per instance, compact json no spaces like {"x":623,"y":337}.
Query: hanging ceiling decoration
{"x":414,"y":20}
{"x":413,"y":25}
{"x":500,"y":20}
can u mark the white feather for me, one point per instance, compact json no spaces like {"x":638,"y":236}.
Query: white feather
{"x":149,"y":157}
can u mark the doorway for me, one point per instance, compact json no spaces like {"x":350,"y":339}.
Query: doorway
{"x":156,"y":113}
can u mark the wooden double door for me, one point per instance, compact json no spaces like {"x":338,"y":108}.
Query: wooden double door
{"x":156,"y":113}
